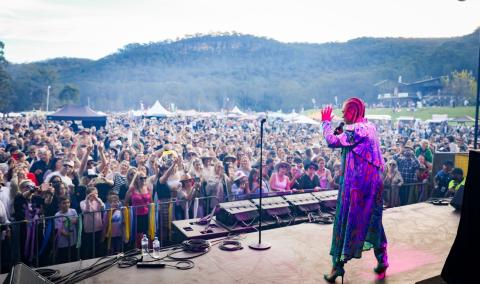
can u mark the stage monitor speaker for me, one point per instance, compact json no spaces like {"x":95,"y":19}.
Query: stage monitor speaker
{"x":230,"y":213}
{"x":274,"y":206}
{"x":328,"y":198}
{"x":21,"y":273}
{"x":304,"y":202}
{"x":460,"y":266}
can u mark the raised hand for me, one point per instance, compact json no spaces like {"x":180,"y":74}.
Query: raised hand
{"x":100,"y":146}
{"x":327,"y":113}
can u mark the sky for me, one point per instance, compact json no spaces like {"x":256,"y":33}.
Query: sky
{"x":35,"y":30}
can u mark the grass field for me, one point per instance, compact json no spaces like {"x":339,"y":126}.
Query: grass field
{"x":424,"y":113}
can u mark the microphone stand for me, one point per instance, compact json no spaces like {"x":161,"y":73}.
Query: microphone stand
{"x":260,"y":245}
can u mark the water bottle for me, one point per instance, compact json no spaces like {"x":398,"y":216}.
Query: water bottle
{"x":156,"y":247}
{"x":144,"y":245}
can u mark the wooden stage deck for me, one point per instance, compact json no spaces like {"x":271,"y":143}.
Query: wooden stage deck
{"x":420,"y":237}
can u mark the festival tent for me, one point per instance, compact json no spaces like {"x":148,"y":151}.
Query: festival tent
{"x":302,"y":119}
{"x":235,"y":113}
{"x":88,"y":116}
{"x":13,"y":114}
{"x":157,"y":110}
{"x":236,"y":110}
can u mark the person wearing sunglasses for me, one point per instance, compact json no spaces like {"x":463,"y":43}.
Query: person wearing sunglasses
{"x":186,"y":194}
{"x":140,"y":196}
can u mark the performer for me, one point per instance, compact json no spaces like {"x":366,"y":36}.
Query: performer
{"x":358,"y":219}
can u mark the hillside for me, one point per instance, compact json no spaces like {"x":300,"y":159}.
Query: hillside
{"x":254,"y":73}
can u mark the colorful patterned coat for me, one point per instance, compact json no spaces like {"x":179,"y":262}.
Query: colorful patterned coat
{"x":358,"y":220}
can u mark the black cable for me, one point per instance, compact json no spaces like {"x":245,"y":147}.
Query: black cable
{"x":196,"y":245}
{"x":50,"y":274}
{"x":97,"y":267}
{"x":230,"y":245}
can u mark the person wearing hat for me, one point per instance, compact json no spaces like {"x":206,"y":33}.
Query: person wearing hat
{"x":186,"y":195}
{"x":279,"y":180}
{"x":191,"y":154}
{"x":240,"y":184}
{"x":423,"y":174}
{"x":309,"y":180}
{"x":229,"y":158}
{"x":64,"y":173}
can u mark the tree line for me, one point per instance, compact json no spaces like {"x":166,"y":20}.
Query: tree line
{"x":214,"y":71}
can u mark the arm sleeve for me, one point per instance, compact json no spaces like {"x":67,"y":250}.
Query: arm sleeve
{"x":348,"y":138}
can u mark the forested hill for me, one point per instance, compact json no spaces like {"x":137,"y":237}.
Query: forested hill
{"x":254,"y":73}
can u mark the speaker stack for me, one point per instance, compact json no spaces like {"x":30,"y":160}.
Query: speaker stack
{"x":305,"y":206}
{"x":241,"y":212}
{"x":327,"y":198}
{"x":242,"y":215}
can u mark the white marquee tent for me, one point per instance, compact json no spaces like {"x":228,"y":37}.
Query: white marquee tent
{"x":157,"y":110}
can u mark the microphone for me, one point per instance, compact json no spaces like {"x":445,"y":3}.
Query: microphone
{"x":339,"y":129}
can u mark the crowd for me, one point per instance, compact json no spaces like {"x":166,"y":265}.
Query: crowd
{"x":96,"y":191}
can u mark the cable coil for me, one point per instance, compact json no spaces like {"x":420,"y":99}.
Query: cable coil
{"x":231,"y":245}
{"x":196,"y":245}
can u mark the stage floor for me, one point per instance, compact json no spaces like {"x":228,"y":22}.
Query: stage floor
{"x":419,"y":236}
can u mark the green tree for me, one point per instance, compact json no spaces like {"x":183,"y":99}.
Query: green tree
{"x":69,"y":94}
{"x":6,"y":91}
{"x":461,"y":84}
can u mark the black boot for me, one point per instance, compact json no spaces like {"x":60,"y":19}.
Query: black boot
{"x":382,"y":258}
{"x":337,"y":270}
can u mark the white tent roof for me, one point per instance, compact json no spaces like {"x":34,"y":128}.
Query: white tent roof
{"x":302,"y":119}
{"x":237,"y":111}
{"x":158,"y":110}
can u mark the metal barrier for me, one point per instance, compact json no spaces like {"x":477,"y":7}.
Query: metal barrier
{"x":41,"y":233}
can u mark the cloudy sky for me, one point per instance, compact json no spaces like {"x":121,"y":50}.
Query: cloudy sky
{"x":40,"y":29}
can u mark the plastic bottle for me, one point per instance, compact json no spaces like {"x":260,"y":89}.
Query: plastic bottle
{"x":144,"y":245}
{"x":156,"y":247}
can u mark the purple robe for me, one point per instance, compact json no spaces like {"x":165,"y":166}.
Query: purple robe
{"x":358,"y":219}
